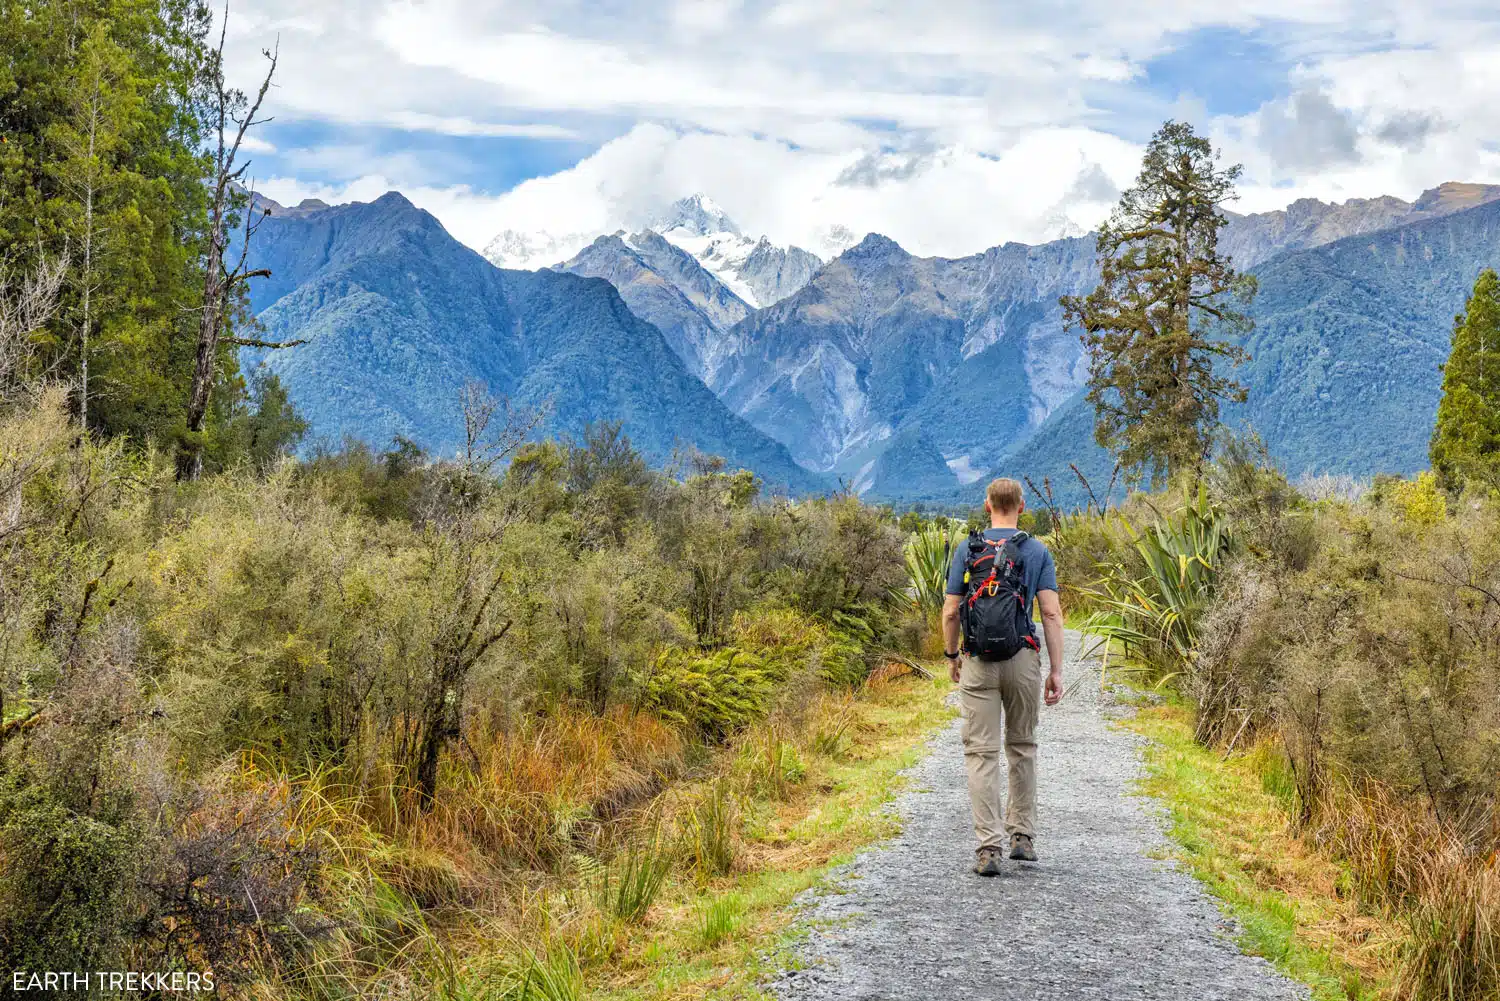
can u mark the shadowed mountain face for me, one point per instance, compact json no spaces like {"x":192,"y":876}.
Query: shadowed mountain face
{"x":398,"y":315}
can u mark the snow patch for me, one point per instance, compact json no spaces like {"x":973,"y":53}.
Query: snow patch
{"x":964,"y":470}
{"x":722,"y":254}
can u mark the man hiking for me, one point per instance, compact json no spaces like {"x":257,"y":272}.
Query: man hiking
{"x":993,"y":656}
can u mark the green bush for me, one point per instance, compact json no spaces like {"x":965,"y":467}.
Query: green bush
{"x":720,"y":919}
{"x":714,"y":694}
{"x":710,"y":827}
{"x":1155,"y":616}
{"x":64,"y":889}
{"x":627,"y":886}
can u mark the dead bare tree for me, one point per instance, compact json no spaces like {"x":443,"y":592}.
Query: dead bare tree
{"x":462,"y":558}
{"x":221,"y":279}
{"x":27,"y":303}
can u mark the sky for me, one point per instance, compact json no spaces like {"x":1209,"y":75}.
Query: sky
{"x":948,"y":125}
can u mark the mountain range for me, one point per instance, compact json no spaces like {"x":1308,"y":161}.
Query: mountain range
{"x":398,"y":316}
{"x":906,"y":378}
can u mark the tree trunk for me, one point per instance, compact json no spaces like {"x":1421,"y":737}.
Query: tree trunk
{"x":190,"y":454}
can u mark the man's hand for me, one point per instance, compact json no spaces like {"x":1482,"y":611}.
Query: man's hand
{"x":955,"y":667}
{"x":1054,"y":692}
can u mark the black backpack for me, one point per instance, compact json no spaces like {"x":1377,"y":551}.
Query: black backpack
{"x":996,"y":626}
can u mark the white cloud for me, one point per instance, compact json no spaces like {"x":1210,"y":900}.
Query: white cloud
{"x":958,"y":203}
{"x":255,"y":144}
{"x":954,"y":126}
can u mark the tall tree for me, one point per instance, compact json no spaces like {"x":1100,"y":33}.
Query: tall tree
{"x":1155,"y":325}
{"x":100,"y":97}
{"x":233,"y":114}
{"x":1466,"y":440}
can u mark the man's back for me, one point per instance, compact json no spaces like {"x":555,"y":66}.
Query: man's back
{"x":1040,"y":573}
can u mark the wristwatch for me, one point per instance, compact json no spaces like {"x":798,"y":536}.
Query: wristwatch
{"x":951,"y":656}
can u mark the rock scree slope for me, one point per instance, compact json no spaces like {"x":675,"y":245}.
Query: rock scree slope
{"x":1097,"y":917}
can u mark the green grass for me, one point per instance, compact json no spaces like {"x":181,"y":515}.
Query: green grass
{"x":718,"y":938}
{"x":1228,"y":817}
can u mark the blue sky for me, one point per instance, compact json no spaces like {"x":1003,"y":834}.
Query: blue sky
{"x":949,"y":126}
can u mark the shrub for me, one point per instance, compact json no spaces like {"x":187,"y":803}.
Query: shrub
{"x":64,"y":889}
{"x":835,"y":720}
{"x":929,"y":555}
{"x":770,"y":764}
{"x":551,"y":974}
{"x":710,"y":830}
{"x":713,"y":694}
{"x":1419,"y":500}
{"x":626,"y":887}
{"x":1156,"y":615}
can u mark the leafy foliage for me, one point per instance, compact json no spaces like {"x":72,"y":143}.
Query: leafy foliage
{"x":1156,"y":616}
{"x":929,"y":555}
{"x":103,"y":112}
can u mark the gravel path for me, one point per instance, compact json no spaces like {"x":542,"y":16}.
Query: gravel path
{"x":1097,"y":917}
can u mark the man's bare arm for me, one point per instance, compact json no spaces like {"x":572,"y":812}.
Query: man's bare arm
{"x":951,"y":632}
{"x":1052,"y":628}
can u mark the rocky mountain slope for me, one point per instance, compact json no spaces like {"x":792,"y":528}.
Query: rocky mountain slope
{"x":960,"y":361}
{"x":1345,"y":363}
{"x":666,"y":286}
{"x":398,"y":316}
{"x":972,"y":349}
{"x":1307,"y":222}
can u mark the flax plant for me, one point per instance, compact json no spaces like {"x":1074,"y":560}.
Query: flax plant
{"x":1154,"y":618}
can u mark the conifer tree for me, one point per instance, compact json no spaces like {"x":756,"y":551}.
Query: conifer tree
{"x":1466,"y":440}
{"x":1154,"y":326}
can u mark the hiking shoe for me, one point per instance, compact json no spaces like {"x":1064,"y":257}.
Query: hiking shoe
{"x":1021,"y":848}
{"x":987,"y":861}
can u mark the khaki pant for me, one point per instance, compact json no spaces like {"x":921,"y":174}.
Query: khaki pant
{"x":991,"y":692}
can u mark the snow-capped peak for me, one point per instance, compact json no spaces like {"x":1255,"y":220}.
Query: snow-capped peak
{"x":533,"y":251}
{"x":696,"y":215}
{"x":755,"y":270}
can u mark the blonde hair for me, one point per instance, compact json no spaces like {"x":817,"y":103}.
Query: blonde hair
{"x":1004,"y":496}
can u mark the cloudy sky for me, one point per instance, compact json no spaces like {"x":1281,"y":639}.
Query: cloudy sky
{"x":948,"y":125}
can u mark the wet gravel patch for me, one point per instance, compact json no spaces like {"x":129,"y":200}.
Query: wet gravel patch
{"x":1097,"y":917}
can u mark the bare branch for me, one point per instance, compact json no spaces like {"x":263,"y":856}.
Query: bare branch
{"x":26,"y":305}
{"x":255,"y":342}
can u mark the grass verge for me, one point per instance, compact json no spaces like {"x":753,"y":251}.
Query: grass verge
{"x":1229,"y":817}
{"x":719,"y":938}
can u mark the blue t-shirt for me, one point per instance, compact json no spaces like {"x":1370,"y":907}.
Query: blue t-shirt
{"x":1040,"y":573}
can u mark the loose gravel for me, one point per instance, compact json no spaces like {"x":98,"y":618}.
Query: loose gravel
{"x":1100,"y":916}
